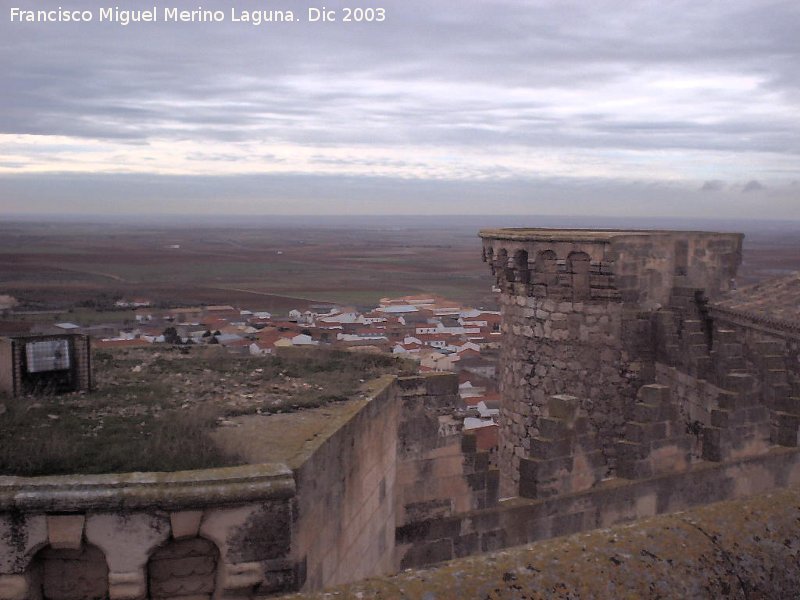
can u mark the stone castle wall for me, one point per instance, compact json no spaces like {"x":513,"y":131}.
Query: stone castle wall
{"x":578,"y":312}
{"x":247,"y":531}
{"x":184,"y":535}
{"x":626,"y":393}
{"x":344,"y":508}
{"x":734,"y":549}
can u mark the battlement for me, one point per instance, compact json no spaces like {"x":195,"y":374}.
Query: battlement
{"x":632,"y":266}
{"x":635,"y":332}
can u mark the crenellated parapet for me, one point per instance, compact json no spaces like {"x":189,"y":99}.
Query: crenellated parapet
{"x":635,"y":267}
{"x":589,"y":314}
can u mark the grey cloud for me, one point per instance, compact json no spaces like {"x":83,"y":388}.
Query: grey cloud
{"x":753,"y":186}
{"x":714,"y":185}
{"x":400,"y":83}
{"x":129,"y":82}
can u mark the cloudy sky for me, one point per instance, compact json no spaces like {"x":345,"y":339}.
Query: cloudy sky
{"x":608,"y":107}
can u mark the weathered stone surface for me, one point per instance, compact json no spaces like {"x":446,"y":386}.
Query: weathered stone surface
{"x":65,"y":531}
{"x":740,"y":549}
{"x":14,"y":587}
{"x":127,"y":586}
{"x":185,"y":523}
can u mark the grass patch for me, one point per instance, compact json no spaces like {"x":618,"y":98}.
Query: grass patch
{"x":154,"y":408}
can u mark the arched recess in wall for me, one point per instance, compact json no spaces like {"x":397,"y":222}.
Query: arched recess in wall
{"x":521,"y":269}
{"x":183,"y":569}
{"x":578,"y":267}
{"x":546,"y":267}
{"x":489,"y":258}
{"x":62,"y":574}
{"x":501,"y":268}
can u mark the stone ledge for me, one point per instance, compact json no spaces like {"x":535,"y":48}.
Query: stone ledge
{"x":205,"y":487}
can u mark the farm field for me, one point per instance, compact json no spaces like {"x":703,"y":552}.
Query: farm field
{"x":52,"y":267}
{"x":56,"y":266}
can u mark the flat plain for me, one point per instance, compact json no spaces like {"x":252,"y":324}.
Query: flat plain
{"x":56,"y":266}
{"x":52,"y":266}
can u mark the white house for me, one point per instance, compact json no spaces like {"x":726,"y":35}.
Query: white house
{"x":303,"y":340}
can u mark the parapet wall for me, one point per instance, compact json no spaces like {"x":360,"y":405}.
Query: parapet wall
{"x":636,"y":267}
{"x":735,"y":549}
{"x":440,"y":471}
{"x":522,"y":520}
{"x":121,"y":535}
{"x":327,"y":518}
{"x":345,"y":504}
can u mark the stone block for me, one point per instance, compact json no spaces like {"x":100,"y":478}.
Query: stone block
{"x":279,"y":580}
{"x":241,"y":576}
{"x":425,"y":554}
{"x":725,"y":336}
{"x":755,"y":414}
{"x":654,"y":393}
{"x":647,"y":413}
{"x":787,"y":420}
{"x":531,"y":489}
{"x":635,"y":469}
{"x":552,"y":428}
{"x":720,"y":418}
{"x":785,"y":436}
{"x":13,"y":587}
{"x":643,"y":433}
{"x":444,"y":528}
{"x":428,"y":509}
{"x":585,"y":443}
{"x":773,"y":361}
{"x":562,"y":406}
{"x":185,"y":524}
{"x":712,"y":444}
{"x":466,"y":545}
{"x":739,"y":382}
{"x":776,"y":376}
{"x":538,"y":290}
{"x":732,"y":401}
{"x":545,"y":448}
{"x":65,"y":532}
{"x":493,"y":540}
{"x":127,"y":586}
{"x":546,"y":470}
{"x":787,"y":403}
{"x":630,"y":451}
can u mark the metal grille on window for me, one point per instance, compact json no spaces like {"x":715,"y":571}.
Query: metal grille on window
{"x":48,"y":355}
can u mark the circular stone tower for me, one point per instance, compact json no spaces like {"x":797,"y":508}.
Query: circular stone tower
{"x":579,"y":333}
